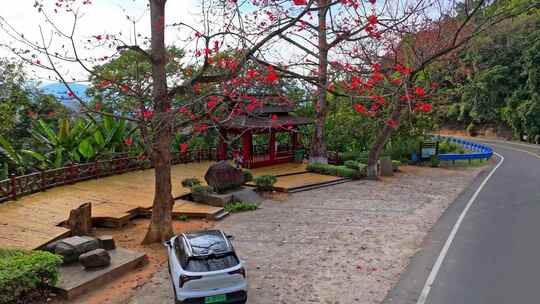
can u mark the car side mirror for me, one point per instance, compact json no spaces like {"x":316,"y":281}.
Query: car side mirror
{"x":230,"y":237}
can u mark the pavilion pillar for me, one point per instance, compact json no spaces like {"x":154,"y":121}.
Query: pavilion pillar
{"x":246,"y":148}
{"x":294,"y":140}
{"x":222,"y":148}
{"x":272,"y":145}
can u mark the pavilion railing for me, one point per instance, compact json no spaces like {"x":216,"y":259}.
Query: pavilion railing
{"x":16,"y":186}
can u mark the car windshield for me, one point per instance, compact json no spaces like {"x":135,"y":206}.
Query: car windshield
{"x":208,"y":242}
{"x":212,"y":262}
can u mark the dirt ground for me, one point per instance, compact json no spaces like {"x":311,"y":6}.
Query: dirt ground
{"x":130,"y":237}
{"x":342,"y":244}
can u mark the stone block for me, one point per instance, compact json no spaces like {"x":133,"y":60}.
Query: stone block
{"x":95,"y":258}
{"x":386,"y":167}
{"x":106,"y":242}
{"x":247,"y":195}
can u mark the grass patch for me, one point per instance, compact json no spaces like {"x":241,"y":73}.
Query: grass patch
{"x":235,"y":207}
{"x":464,"y":163}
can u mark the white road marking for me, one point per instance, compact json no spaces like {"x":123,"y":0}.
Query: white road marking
{"x":444,"y":251}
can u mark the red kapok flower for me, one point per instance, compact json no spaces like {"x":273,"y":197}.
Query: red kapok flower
{"x":392,"y":123}
{"x":272,"y":77}
{"x":420,"y":91}
{"x":128,"y":141}
{"x":274,"y":117}
{"x":300,"y":2}
{"x":359,"y":108}
{"x":426,"y":107}
{"x":147,"y":114}
{"x":183,"y":148}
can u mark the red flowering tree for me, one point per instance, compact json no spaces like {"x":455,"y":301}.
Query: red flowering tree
{"x":209,"y":87}
{"x":398,"y":82}
{"x":375,"y":53}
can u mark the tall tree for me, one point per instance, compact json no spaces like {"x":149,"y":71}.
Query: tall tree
{"x":206,"y":93}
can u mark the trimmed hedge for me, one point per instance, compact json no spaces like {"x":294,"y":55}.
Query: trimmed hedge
{"x":248,"y":176}
{"x":341,"y":171}
{"x":25,"y":274}
{"x":265,"y":182}
{"x":396,"y":164}
{"x":190,"y":182}
{"x":201,"y":189}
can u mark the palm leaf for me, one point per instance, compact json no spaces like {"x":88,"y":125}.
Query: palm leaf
{"x":7,"y":149}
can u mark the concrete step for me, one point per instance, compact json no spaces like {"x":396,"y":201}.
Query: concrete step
{"x":317,"y":186}
{"x":219,"y":215}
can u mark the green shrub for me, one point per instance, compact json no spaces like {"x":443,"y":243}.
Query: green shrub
{"x":190,"y":182}
{"x":248,"y":176}
{"x":200,"y":189}
{"x":350,"y":155}
{"x":341,"y":171}
{"x":23,"y":274}
{"x":363,"y":157}
{"x":240,"y":206}
{"x":396,"y":164}
{"x":265,"y":182}
{"x":183,"y":218}
{"x":351,"y":164}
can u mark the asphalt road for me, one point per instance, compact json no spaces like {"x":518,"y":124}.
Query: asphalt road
{"x":495,"y":253}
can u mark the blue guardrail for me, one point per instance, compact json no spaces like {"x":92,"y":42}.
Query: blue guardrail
{"x":480,"y":151}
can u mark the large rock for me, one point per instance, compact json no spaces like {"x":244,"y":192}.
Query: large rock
{"x":95,"y":258}
{"x":222,"y":176}
{"x":70,"y":248}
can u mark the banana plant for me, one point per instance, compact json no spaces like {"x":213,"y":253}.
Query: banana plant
{"x":69,"y":143}
{"x":14,"y":156}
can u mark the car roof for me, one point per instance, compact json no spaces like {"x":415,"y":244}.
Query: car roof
{"x":204,"y":243}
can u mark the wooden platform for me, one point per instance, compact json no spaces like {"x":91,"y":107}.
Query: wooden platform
{"x":280,"y":170}
{"x":32,"y":221}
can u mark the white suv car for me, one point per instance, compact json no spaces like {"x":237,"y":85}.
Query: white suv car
{"x":205,"y":269}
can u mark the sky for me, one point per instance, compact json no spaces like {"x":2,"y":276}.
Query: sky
{"x":100,"y":18}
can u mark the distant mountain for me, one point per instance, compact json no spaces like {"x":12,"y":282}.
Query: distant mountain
{"x":60,"y":91}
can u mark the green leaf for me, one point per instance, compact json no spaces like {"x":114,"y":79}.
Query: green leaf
{"x":7,"y":149}
{"x":98,"y":137}
{"x":63,"y":130}
{"x":58,"y":161}
{"x":35,"y":155}
{"x":86,"y":149}
{"x":48,"y":132}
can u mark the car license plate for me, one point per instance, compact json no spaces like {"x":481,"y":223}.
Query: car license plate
{"x":215,"y":299}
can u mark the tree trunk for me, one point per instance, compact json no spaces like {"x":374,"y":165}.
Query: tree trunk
{"x":382,"y":139}
{"x":161,"y":222}
{"x":318,"y":143}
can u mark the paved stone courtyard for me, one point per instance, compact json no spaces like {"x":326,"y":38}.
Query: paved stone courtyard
{"x":342,"y":244}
